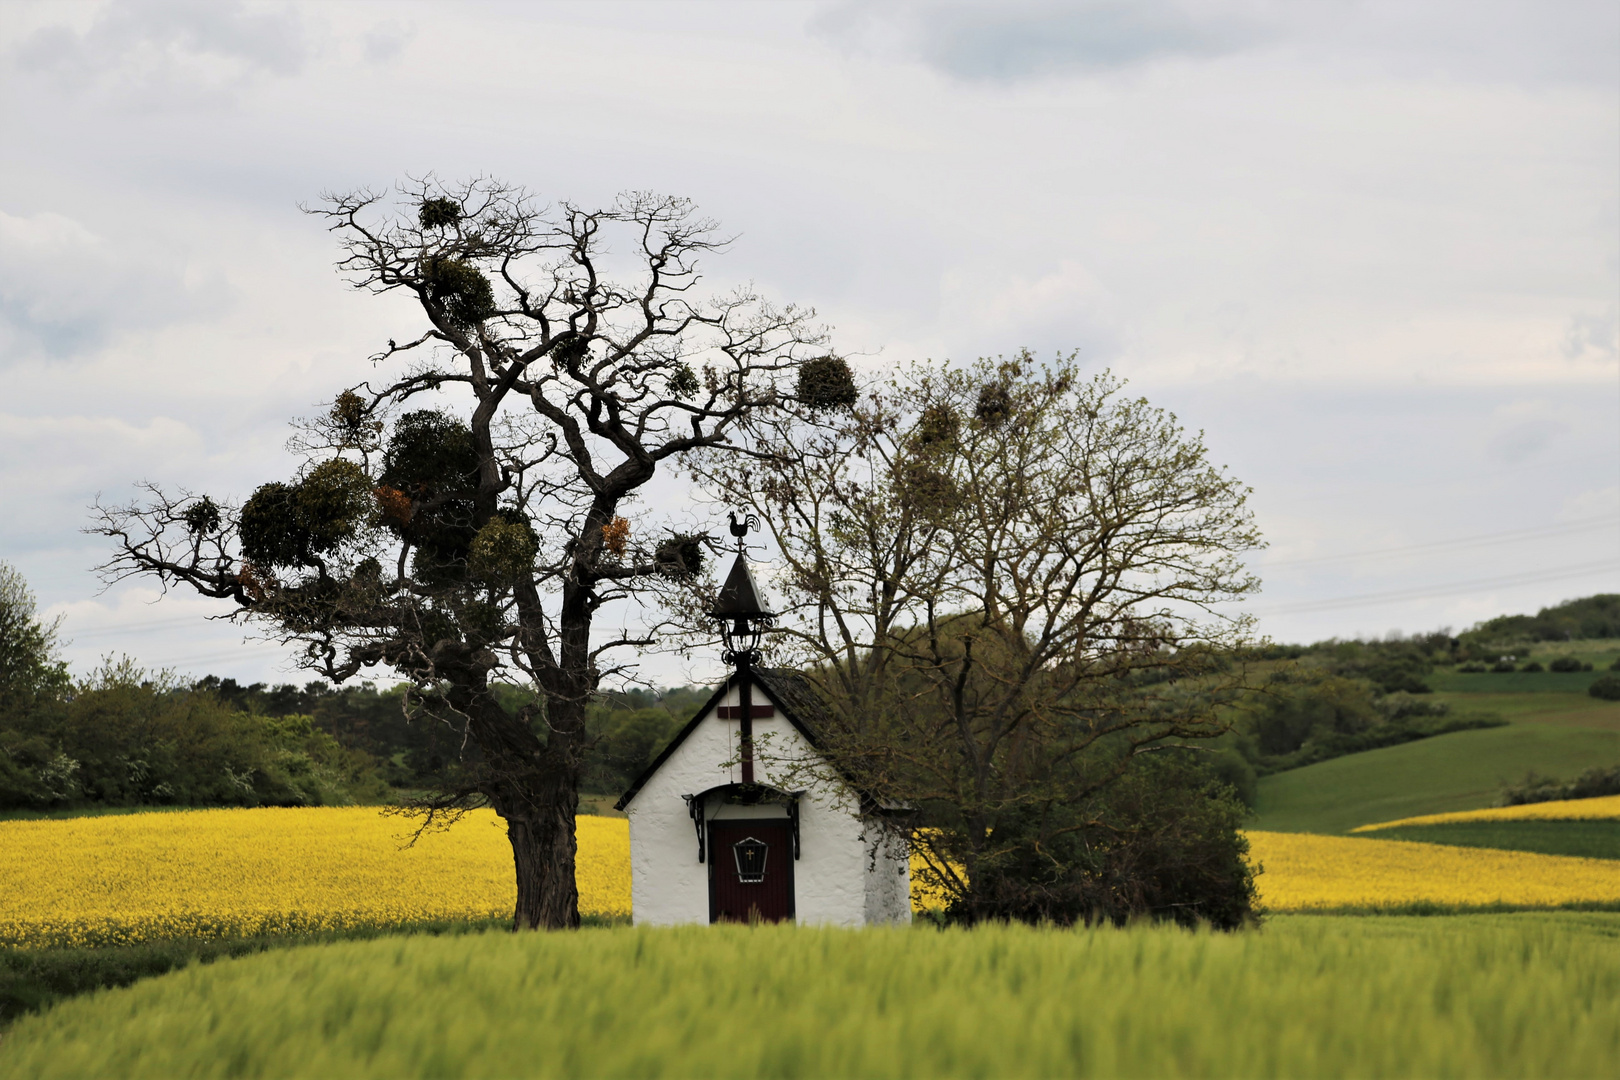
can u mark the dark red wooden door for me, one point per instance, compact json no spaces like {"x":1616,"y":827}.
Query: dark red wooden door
{"x":750,"y":870}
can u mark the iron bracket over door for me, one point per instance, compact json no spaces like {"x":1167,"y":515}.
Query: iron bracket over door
{"x":694,"y":810}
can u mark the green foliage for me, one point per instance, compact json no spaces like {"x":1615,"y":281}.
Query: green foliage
{"x":1390,"y":666}
{"x":1162,"y":842}
{"x":430,"y":453}
{"x":270,"y":530}
{"x":438,"y":213}
{"x":29,"y":669}
{"x":627,"y":739}
{"x":503,"y":550}
{"x":1593,"y":783}
{"x":293,"y":525}
{"x":202,"y":517}
{"x":334,"y":499}
{"x":826,"y":383}
{"x":627,"y":729}
{"x":1606,"y":687}
{"x":1583,"y":839}
{"x":1565,"y":663}
{"x":683,"y":382}
{"x":432,"y":459}
{"x":1299,"y":708}
{"x":125,"y":737}
{"x":994,"y":405}
{"x":1479,"y":995}
{"x":1589,"y":617}
{"x":461,"y":290}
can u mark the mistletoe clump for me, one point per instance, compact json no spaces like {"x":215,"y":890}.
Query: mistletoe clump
{"x":461,"y":290}
{"x":503,"y":550}
{"x":826,"y":383}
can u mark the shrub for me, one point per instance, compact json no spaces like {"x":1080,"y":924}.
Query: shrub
{"x":1591,"y":784}
{"x":1564,"y":663}
{"x":1606,"y":687}
{"x":1289,"y":714}
{"x":1533,"y":666}
{"x":1504,"y":665}
{"x":1473,"y":667}
{"x":1170,"y":849}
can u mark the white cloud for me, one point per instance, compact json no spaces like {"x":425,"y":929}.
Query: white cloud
{"x":1349,"y":242}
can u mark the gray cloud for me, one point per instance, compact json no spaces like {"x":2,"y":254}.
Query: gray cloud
{"x":1523,"y":441}
{"x":1007,"y":41}
{"x":1593,"y":337}
{"x":1475,"y":40}
{"x":162,"y":46}
{"x":65,"y":290}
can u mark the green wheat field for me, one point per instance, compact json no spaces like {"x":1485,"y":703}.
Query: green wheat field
{"x":1511,"y":995}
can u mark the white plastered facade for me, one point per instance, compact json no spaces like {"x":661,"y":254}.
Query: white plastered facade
{"x":850,"y":872}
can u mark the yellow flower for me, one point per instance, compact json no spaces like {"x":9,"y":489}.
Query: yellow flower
{"x":1607,"y":806}
{"x":213,"y":873}
{"x":1304,"y":871}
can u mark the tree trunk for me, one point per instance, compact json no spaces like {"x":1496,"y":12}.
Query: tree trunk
{"x":543,"y":849}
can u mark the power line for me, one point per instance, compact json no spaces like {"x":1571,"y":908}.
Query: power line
{"x":1455,"y":589}
{"x":1511,"y":537}
{"x":102,"y":631}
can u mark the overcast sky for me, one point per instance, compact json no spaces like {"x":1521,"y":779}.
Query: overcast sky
{"x":1372,"y":250}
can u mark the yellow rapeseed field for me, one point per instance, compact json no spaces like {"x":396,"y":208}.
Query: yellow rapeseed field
{"x":1607,"y":806}
{"x":213,"y":873}
{"x":216,"y":873}
{"x":1304,"y":871}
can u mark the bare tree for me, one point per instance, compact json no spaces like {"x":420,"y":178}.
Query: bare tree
{"x":464,"y":521}
{"x":1009,"y":583}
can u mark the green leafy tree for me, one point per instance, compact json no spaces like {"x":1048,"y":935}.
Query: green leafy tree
{"x":29,"y":667}
{"x":1008,"y":583}
{"x":464,"y":522}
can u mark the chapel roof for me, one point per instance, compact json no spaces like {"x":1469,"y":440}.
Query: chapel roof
{"x":788,"y":690}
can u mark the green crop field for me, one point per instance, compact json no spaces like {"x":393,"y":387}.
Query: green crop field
{"x":1507,"y":995}
{"x":1554,"y":729}
{"x":1588,"y":839}
{"x":1465,"y":770}
{"x":1514,"y":682}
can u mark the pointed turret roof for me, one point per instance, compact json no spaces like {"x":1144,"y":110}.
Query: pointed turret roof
{"x":739,"y":596}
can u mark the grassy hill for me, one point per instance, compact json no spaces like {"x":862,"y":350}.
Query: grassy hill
{"x":1554,"y":729}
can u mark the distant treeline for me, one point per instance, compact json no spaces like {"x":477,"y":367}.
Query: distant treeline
{"x":128,"y":737}
{"x":124,"y":736}
{"x":1574,"y":620}
{"x":414,"y":751}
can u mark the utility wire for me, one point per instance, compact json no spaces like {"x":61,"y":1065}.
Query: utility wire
{"x":1513,"y":536}
{"x":1454,"y":589}
{"x":154,"y":624}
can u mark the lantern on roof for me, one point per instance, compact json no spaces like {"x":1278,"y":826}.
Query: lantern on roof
{"x":739,"y":608}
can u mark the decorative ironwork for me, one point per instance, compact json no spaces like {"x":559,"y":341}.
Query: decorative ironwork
{"x":742,"y":795}
{"x":750,"y":854}
{"x":739,"y":608}
{"x":694,"y":810}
